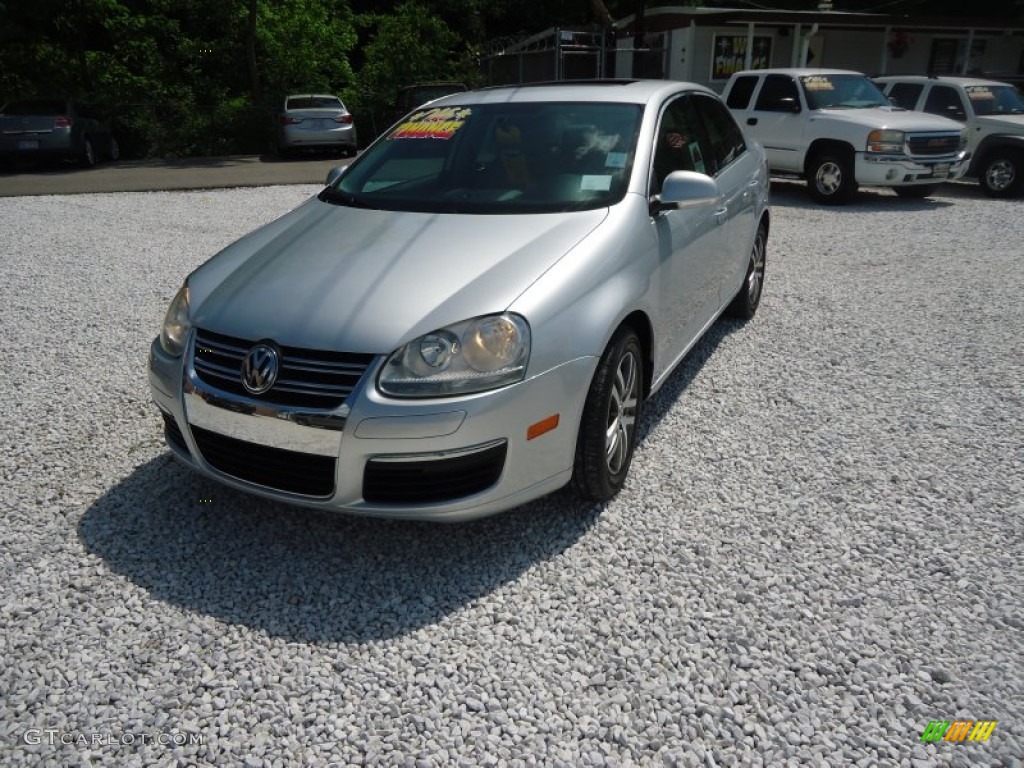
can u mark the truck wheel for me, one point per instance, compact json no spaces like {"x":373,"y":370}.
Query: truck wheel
{"x":917,"y":191}
{"x":830,"y":179}
{"x":607,"y":436}
{"x":1001,"y":173}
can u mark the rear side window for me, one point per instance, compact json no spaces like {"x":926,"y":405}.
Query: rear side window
{"x":905,"y":94}
{"x":944,"y":100}
{"x":742,"y":90}
{"x":775,"y":89}
{"x":725,"y":136}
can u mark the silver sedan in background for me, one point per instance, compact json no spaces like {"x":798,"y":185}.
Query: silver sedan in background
{"x":315,"y":121}
{"x":472,"y":313}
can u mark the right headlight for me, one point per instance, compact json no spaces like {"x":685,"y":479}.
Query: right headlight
{"x":177,"y":324}
{"x":472,"y":356}
{"x":885,"y":141}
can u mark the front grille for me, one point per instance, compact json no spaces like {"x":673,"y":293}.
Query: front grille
{"x":309,"y":378}
{"x":935,"y":144}
{"x":422,"y":481}
{"x":172,"y":432}
{"x":291,"y":471}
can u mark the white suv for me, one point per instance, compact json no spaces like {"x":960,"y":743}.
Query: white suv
{"x":835,"y":128}
{"x":993,"y":113}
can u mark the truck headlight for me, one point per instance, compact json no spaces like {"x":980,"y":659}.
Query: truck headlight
{"x":889,"y":142}
{"x":472,"y":356}
{"x":177,"y":324}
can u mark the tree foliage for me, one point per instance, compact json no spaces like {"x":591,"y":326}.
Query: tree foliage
{"x":204,"y":76}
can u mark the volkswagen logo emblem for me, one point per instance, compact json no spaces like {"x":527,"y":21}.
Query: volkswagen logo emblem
{"x":259,"y":369}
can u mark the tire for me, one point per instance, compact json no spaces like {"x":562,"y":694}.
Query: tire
{"x":746,"y":301}
{"x":830,"y":179}
{"x":114,"y":150}
{"x":88,"y":156}
{"x":917,"y":191}
{"x":607,"y":435}
{"x":1002,"y":173}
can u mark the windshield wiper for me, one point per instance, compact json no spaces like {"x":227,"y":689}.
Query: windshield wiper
{"x":337,"y":197}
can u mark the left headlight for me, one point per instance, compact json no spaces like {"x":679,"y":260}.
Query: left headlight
{"x":473,"y":356}
{"x":174,"y":334}
{"x":885,"y":141}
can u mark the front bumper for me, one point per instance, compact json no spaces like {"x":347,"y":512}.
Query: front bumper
{"x":902,"y":170}
{"x":412,"y":459}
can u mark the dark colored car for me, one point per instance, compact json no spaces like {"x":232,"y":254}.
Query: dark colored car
{"x":55,"y":129}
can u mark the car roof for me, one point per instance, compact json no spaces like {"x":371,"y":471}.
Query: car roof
{"x":799,"y":71}
{"x":312,"y":96}
{"x":611,"y":91}
{"x":955,"y":80}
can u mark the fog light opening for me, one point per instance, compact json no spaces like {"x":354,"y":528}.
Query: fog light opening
{"x":541,"y":427}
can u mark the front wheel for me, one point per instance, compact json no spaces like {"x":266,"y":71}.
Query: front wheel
{"x":746,"y":302}
{"x":917,"y":191}
{"x":830,"y":179}
{"x":1002,"y":174}
{"x":607,"y":436}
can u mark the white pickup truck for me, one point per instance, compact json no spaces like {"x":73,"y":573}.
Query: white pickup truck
{"x":837,"y":130}
{"x":993,"y":113}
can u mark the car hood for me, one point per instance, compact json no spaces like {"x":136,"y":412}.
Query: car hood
{"x":1006,"y":123}
{"x":359,"y":280}
{"x":893,"y":118}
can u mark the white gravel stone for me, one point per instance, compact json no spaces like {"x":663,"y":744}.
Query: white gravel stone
{"x":818,"y":551}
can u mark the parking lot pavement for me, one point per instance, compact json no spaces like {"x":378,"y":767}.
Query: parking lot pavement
{"x":817,"y":554}
{"x":149,"y":175}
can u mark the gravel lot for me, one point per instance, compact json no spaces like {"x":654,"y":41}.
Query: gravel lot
{"x":819,"y":550}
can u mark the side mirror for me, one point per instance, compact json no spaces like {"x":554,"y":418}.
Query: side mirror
{"x":685,"y":189}
{"x":335,"y":173}
{"x":788,"y":104}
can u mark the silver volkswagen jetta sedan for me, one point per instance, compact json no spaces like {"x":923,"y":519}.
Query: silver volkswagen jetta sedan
{"x":471,"y":314}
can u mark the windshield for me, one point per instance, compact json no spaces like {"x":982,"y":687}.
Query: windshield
{"x":995,"y":100}
{"x":841,"y":92}
{"x":498,"y":159}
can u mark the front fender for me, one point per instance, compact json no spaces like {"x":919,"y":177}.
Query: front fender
{"x":993,"y":142}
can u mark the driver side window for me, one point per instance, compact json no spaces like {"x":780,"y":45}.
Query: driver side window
{"x":776,"y":93}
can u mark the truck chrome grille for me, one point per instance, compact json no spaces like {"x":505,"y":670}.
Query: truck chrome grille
{"x":933,"y":144}
{"x":310,"y":378}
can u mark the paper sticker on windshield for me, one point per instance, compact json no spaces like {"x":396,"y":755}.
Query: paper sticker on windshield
{"x":436,"y":123}
{"x":817,"y":83}
{"x":979,"y":92}
{"x":615,"y":160}
{"x":596,"y":183}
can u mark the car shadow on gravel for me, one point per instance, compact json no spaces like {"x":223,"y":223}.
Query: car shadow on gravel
{"x":307,"y":575}
{"x":314,"y":576}
{"x":793,"y":194}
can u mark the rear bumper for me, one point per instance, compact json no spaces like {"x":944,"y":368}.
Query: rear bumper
{"x":295,"y":138}
{"x":38,"y":145}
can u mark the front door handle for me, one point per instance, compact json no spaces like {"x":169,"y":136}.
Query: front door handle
{"x":751,"y":121}
{"x":721,"y":214}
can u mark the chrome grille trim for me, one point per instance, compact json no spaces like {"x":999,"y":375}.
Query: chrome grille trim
{"x":308,"y":378}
